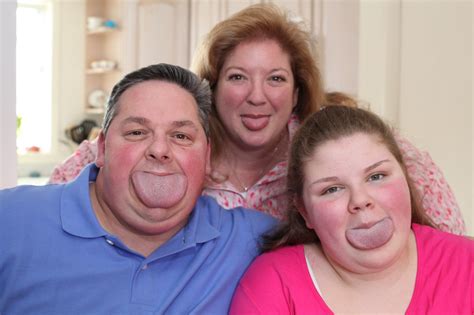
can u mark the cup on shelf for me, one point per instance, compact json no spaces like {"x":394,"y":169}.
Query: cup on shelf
{"x":94,"y":23}
{"x":103,"y":64}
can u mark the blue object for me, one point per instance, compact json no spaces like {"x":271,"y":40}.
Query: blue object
{"x":110,"y":24}
{"x":55,"y":257}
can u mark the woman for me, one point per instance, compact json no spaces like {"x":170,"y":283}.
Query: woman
{"x":356,"y":240}
{"x":265,"y":81}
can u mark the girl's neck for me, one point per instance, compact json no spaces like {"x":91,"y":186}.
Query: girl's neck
{"x":374,"y":291}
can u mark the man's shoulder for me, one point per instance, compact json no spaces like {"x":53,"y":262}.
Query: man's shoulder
{"x":27,"y":196}
{"x":220,"y":217}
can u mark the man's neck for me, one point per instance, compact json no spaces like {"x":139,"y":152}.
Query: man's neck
{"x":141,"y":243}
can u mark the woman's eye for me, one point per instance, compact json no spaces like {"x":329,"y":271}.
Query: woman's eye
{"x":278,"y":78}
{"x":235,"y":77}
{"x":376,"y":177}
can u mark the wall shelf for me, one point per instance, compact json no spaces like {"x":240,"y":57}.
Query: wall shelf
{"x":101,"y":71}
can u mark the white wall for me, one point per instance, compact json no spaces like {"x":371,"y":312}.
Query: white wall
{"x":7,"y":94}
{"x":436,"y":89}
{"x":68,"y":85}
{"x":415,"y":68}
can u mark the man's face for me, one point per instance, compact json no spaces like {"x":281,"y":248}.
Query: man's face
{"x":153,"y":160}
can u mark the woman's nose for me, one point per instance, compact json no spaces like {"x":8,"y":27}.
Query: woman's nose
{"x":256,"y":95}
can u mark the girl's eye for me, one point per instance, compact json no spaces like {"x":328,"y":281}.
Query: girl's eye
{"x":331,"y":190}
{"x":376,"y":177}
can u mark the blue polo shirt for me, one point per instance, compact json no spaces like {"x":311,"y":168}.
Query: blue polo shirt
{"x":55,"y":257}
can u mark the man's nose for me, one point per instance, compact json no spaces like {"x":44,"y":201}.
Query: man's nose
{"x":159,"y":150}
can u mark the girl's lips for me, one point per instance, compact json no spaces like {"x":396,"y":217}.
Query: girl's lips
{"x":255,"y":122}
{"x":371,"y":236}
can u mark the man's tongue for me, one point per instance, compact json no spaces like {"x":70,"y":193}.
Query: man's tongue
{"x":372,"y":237}
{"x":157,"y":191}
{"x":255,"y":123}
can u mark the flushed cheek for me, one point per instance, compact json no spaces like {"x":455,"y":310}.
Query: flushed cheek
{"x":282,"y":99}
{"x":194,"y":166}
{"x":326,"y":213}
{"x":230,"y":97}
{"x":397,"y":197}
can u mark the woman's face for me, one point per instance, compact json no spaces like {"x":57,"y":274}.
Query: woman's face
{"x":255,"y":94}
{"x":357,"y":200}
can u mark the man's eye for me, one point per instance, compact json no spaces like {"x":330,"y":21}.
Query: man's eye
{"x":134,"y":133}
{"x":376,"y":177}
{"x":182,"y":136}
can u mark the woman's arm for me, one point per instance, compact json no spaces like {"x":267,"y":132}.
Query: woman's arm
{"x":437,"y":197}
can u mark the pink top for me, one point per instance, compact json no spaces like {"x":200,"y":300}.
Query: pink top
{"x":268,"y":194}
{"x":279,"y":282}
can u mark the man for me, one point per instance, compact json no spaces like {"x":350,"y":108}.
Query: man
{"x":131,"y":234}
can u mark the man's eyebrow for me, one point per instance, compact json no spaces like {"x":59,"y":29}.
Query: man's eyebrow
{"x":145,"y":121}
{"x":136,"y":119}
{"x":184,"y":123}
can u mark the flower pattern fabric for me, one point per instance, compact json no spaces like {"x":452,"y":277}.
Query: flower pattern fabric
{"x":269,"y":193}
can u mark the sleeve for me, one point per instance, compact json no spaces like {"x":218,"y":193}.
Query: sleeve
{"x":260,"y":291}
{"x":437,"y":197}
{"x":73,"y":165}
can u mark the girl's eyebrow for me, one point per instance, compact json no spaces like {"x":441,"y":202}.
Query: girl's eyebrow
{"x":375,"y":165}
{"x":335,"y":178}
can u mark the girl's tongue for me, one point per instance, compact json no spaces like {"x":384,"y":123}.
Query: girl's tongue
{"x":371,"y":237}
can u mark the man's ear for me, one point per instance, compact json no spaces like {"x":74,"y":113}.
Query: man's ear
{"x":100,"y":159}
{"x":208,"y":159}
{"x":302,"y":210}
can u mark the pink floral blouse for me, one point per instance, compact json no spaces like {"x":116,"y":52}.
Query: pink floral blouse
{"x":268,"y":194}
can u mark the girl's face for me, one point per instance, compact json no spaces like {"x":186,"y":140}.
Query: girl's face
{"x":255,"y":94}
{"x":357,"y":200}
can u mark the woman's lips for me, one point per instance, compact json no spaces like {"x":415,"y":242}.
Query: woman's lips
{"x":371,"y":236}
{"x":255,"y":122}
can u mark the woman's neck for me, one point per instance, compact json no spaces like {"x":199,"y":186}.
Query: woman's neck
{"x":245,"y":166}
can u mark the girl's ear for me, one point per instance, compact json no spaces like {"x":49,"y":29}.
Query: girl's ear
{"x":302,"y":210}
